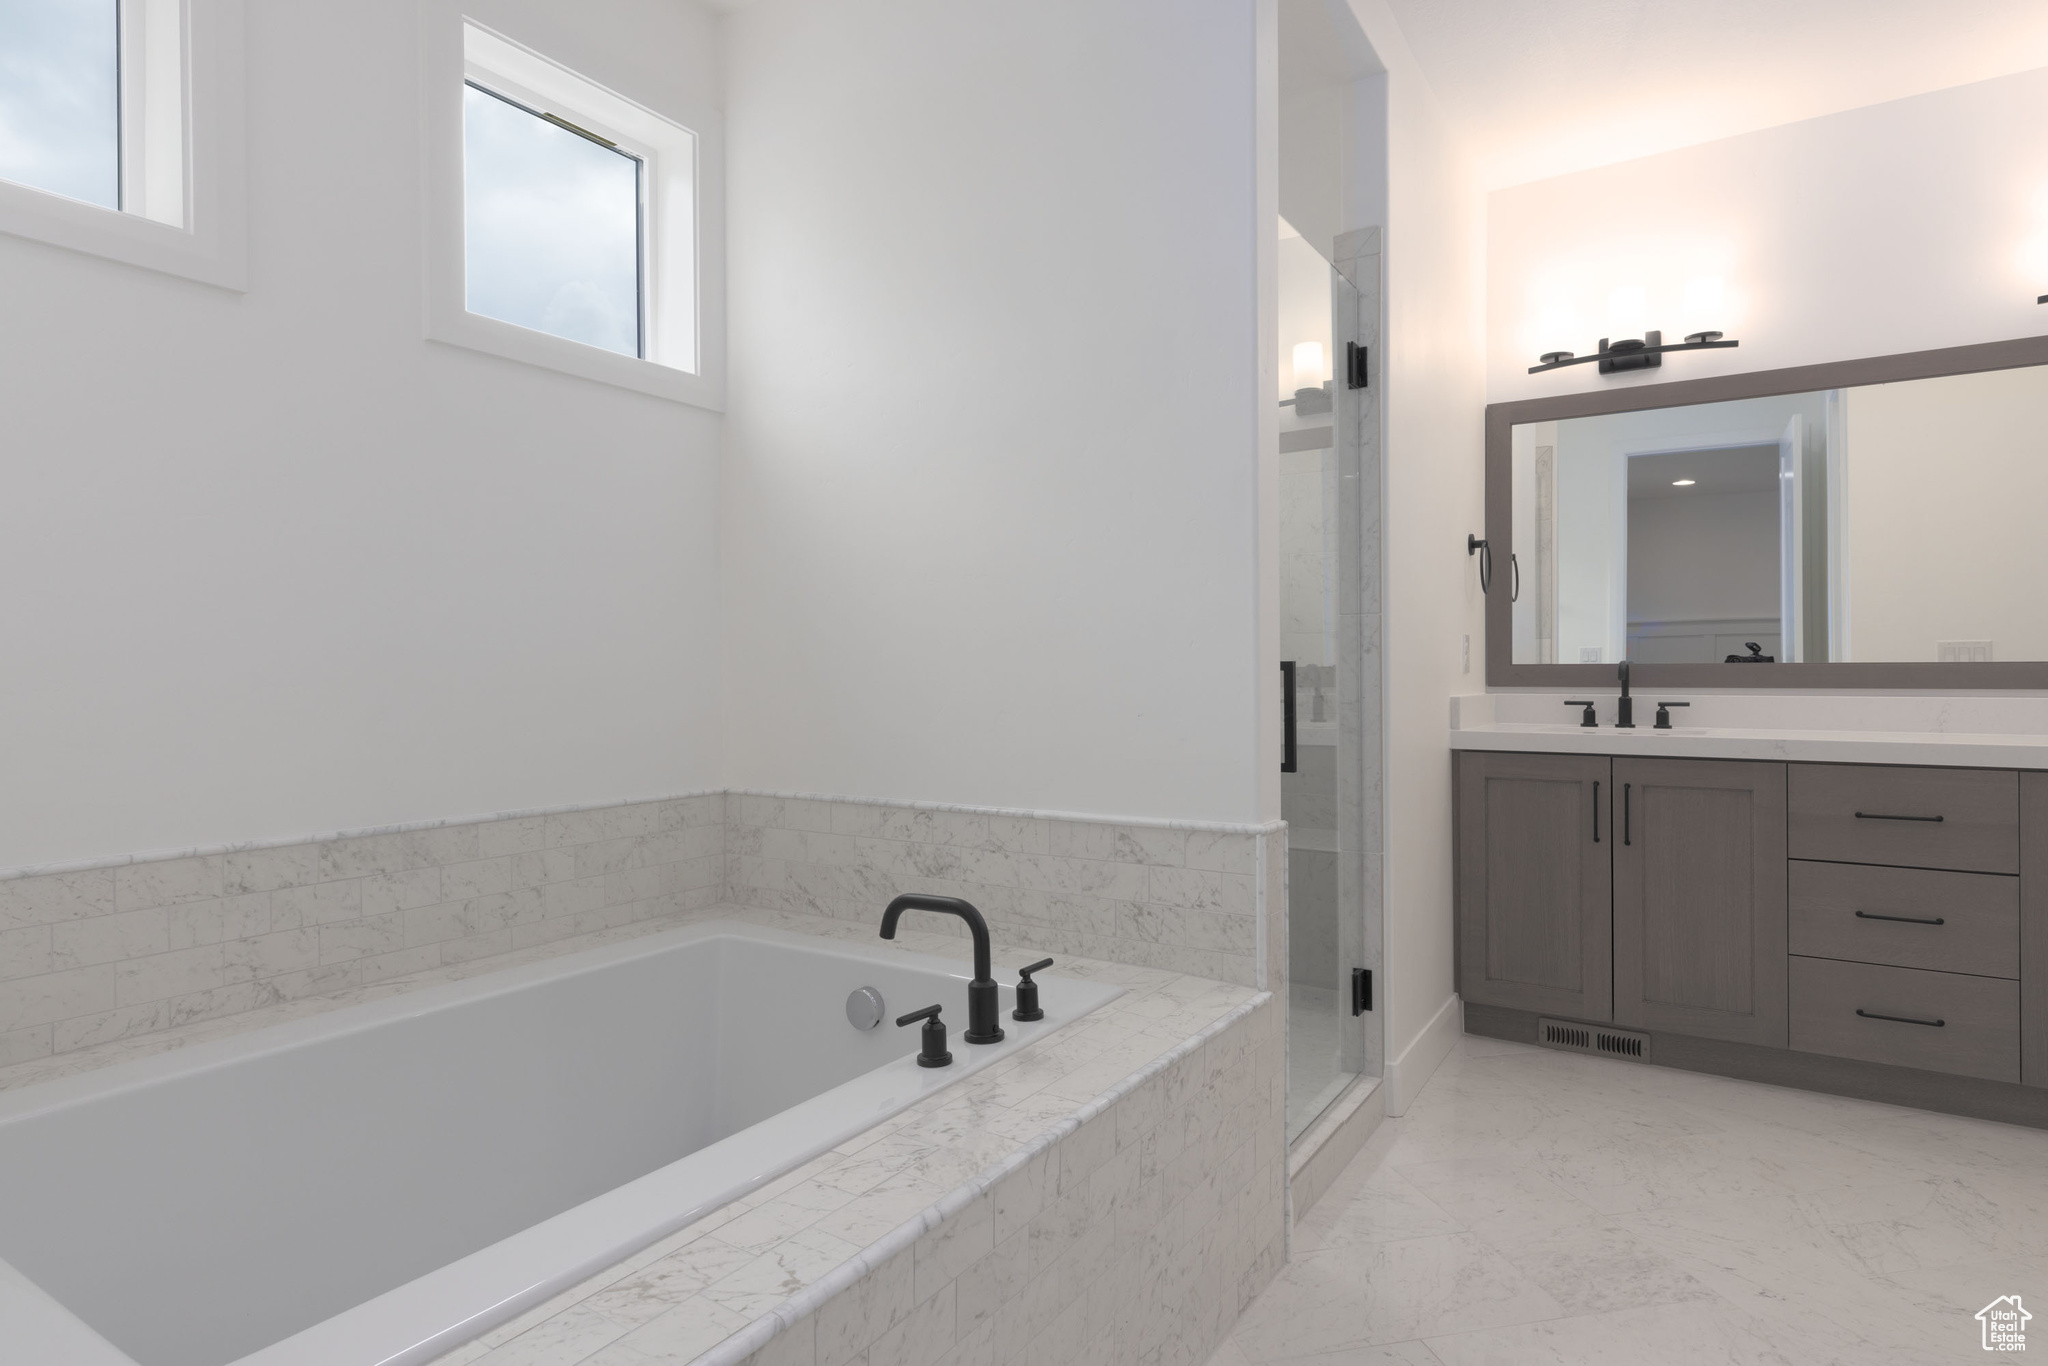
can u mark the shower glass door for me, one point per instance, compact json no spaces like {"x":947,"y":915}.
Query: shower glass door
{"x":1319,"y":417}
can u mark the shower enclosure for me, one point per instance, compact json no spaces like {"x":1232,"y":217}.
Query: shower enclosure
{"x":1329,"y":635}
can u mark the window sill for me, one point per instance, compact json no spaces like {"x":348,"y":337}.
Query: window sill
{"x":215,"y":259}
{"x":474,"y":332}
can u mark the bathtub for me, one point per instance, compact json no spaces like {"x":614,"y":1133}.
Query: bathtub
{"x":375,"y":1185}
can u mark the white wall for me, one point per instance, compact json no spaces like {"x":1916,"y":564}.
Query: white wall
{"x":994,"y":415}
{"x":1945,"y":487}
{"x":276,"y":565}
{"x":1898,"y":227}
{"x":1434,"y":397}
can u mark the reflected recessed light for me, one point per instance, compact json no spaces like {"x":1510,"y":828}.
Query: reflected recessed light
{"x":1680,"y":483}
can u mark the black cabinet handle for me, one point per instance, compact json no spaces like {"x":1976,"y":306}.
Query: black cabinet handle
{"x":1627,"y":828}
{"x":1902,"y":919}
{"x":1287,"y":716}
{"x":1515,"y":566}
{"x":1596,"y":813}
{"x":1903,"y":1019}
{"x":1876,"y":816}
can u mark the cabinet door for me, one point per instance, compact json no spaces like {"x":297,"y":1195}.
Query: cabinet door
{"x":1699,"y":898}
{"x":1535,"y":882}
{"x":2034,"y":929}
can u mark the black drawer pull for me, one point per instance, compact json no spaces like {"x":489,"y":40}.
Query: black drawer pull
{"x":1902,"y":919}
{"x":1901,"y":1019}
{"x":1596,"y":813}
{"x":1879,"y":816}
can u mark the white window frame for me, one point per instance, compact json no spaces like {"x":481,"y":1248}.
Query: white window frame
{"x":681,"y":307}
{"x":183,"y":167}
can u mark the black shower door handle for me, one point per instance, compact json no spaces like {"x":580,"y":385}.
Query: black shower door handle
{"x":1287,"y":716}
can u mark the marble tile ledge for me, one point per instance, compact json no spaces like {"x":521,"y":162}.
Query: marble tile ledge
{"x":1848,"y":730}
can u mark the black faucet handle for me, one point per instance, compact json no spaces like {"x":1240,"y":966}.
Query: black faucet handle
{"x":1590,"y":720}
{"x":932,"y":1051}
{"x":1664,"y":714}
{"x":1027,"y":993}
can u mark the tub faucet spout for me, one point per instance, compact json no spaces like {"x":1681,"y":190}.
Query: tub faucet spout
{"x":983,"y":1004}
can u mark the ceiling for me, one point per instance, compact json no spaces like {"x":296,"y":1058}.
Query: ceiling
{"x":1732,"y":469}
{"x":1545,"y":87}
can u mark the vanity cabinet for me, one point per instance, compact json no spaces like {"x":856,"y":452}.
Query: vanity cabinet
{"x":1535,"y":882}
{"x":1828,"y":916}
{"x":1699,"y":898}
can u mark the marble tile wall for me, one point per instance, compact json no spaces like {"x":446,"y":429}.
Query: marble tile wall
{"x":92,"y":955}
{"x":1181,"y":899}
{"x":96,"y":954}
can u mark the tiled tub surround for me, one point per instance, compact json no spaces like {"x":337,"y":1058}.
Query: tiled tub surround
{"x":481,"y":1145}
{"x":1182,"y":898}
{"x":127,"y":949}
{"x":1112,"y":1194}
{"x":90,"y":955}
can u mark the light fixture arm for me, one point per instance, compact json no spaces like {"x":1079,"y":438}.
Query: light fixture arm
{"x":1633,"y":355}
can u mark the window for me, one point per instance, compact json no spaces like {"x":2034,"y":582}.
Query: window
{"x":565,"y":221}
{"x":92,"y":102}
{"x":121,"y":131}
{"x":60,"y":97}
{"x":551,"y":224}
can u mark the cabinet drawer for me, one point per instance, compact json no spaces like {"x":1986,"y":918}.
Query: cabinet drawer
{"x":1883,"y":915}
{"x":1978,"y":1034}
{"x":1964,"y":818}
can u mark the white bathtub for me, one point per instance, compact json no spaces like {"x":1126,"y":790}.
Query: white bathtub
{"x":375,"y":1185}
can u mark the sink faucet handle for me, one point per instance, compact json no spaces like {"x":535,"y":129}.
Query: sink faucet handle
{"x":1589,"y":720}
{"x":933,"y":1052}
{"x":1664,"y":714}
{"x":1027,"y":992}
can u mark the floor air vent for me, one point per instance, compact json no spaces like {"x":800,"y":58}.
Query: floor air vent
{"x":1578,"y":1038}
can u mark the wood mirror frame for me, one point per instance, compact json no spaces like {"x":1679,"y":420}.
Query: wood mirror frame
{"x":1502,"y":418}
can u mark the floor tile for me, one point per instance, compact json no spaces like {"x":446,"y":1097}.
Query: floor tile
{"x":1538,"y":1207}
{"x":1376,"y":1293}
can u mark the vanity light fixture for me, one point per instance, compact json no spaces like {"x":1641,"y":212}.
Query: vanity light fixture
{"x":1631,"y":354}
{"x":1683,"y":483}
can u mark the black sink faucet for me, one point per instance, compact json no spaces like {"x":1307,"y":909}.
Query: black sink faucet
{"x":1625,"y":711}
{"x":983,"y":1004}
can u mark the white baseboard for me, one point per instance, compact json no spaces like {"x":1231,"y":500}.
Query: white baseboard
{"x":1409,"y":1073}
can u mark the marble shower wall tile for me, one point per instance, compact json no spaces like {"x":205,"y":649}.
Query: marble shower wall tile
{"x":1177,"y":899}
{"x":92,"y":956}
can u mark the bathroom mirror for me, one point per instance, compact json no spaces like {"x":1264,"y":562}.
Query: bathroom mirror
{"x":1862,"y":524}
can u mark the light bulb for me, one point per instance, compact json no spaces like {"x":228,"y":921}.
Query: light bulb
{"x":1308,"y":365}
{"x":1628,"y":312}
{"x":1704,"y":306}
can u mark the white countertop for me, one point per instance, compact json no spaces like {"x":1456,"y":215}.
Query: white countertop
{"x":1505,"y":722}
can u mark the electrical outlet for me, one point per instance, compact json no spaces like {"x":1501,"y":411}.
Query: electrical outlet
{"x":1962,"y":651}
{"x":1589,"y":654}
{"x":1468,"y":655}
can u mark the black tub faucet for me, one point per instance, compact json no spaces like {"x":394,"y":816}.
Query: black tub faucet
{"x":1625,"y":710}
{"x":983,"y":1004}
